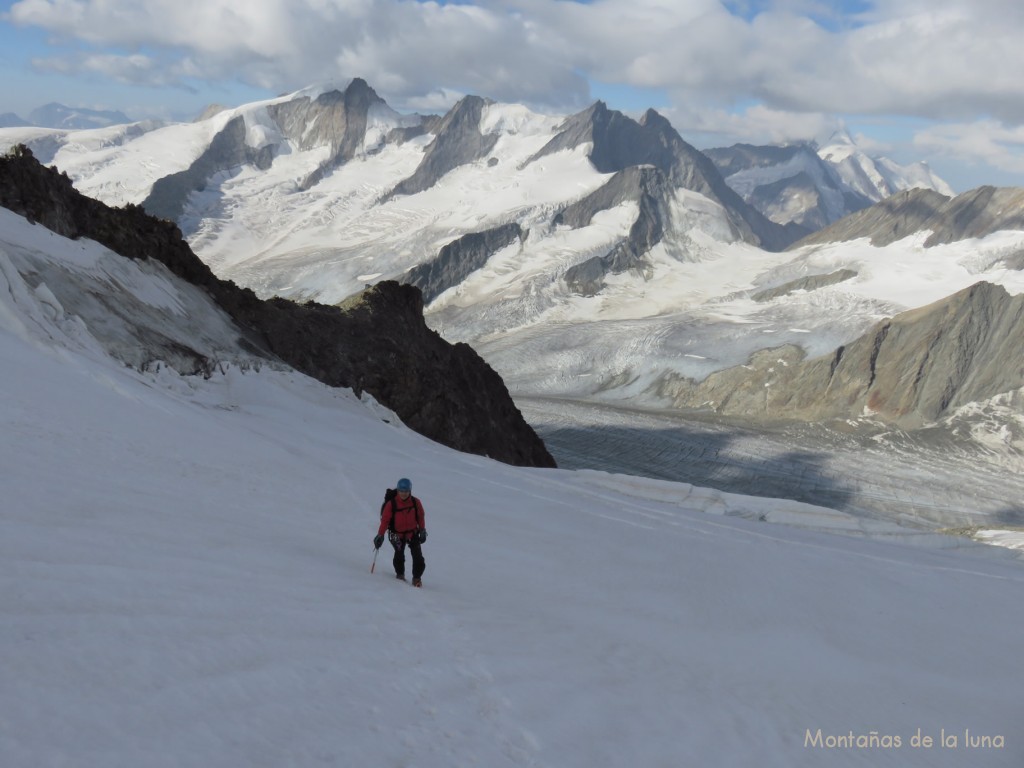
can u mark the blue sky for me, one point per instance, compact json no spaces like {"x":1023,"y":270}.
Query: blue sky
{"x":934,"y":80}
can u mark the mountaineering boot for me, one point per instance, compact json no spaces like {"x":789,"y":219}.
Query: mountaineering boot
{"x":417,"y":583}
{"x":400,"y":576}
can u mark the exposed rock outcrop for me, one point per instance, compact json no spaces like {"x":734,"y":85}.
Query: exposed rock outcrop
{"x":335,"y":119}
{"x":651,"y":162}
{"x":377,"y":343}
{"x":794,"y":200}
{"x":458,"y":141}
{"x":977,"y":213}
{"x":619,"y":142}
{"x":458,"y":259}
{"x":909,"y":370}
{"x":789,"y":185}
{"x":651,"y":189}
{"x":226,"y":152}
{"x":809,"y":283}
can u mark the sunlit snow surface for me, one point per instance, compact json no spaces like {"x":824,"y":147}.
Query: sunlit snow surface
{"x":185,"y":581}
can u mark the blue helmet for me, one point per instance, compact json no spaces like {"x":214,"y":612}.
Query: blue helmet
{"x":405,"y":484}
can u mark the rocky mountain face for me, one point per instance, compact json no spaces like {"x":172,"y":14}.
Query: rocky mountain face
{"x":910,"y":370}
{"x":228,"y":150}
{"x":977,"y":213}
{"x":647,"y":161}
{"x":620,"y":142}
{"x":460,"y":257}
{"x":647,"y":185}
{"x":457,"y":141}
{"x":789,"y":185}
{"x":811,"y":186}
{"x":651,"y":162}
{"x":377,"y":342}
{"x":335,"y":119}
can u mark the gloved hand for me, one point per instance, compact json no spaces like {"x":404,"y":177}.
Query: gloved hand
{"x":378,"y":540}
{"x":421,"y":535}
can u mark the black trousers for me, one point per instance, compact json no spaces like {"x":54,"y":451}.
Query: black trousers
{"x":418,"y":563}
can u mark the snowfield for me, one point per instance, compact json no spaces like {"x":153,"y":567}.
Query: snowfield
{"x":185,"y":581}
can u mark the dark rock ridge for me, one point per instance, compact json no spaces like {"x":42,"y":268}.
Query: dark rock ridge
{"x":623,"y":146}
{"x":620,"y":142}
{"x":428,"y":124}
{"x":457,"y":141}
{"x":648,"y":186}
{"x":226,"y":152}
{"x":977,"y":213}
{"x":457,"y":260}
{"x":910,"y":370}
{"x":377,"y":343}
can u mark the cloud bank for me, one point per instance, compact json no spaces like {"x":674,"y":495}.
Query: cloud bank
{"x":769,"y":68}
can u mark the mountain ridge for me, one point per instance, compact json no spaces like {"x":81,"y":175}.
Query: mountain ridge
{"x":526,"y":230}
{"x":976,"y":213}
{"x":814,"y":186}
{"x":910,"y":370}
{"x":371,"y":345}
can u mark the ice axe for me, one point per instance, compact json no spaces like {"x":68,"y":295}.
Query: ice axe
{"x":374,"y":563}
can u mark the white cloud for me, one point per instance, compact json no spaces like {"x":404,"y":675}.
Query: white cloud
{"x":405,"y":50}
{"x":706,"y":127}
{"x":948,"y":59}
{"x":988,"y":142}
{"x":799,"y":62}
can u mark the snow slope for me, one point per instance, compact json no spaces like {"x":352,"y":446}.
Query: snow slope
{"x":184,"y":581}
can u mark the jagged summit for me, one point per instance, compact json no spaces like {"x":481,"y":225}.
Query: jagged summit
{"x":457,"y":141}
{"x":619,"y":142}
{"x":813,"y":186}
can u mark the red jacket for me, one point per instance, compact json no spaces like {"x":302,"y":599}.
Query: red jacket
{"x":408,"y":516}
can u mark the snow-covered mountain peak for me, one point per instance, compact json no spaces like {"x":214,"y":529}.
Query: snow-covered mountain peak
{"x":841,"y":137}
{"x":876,"y":177}
{"x":515,"y":119}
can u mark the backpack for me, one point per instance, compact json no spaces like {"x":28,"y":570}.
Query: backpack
{"x":389,"y":498}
